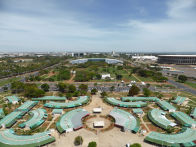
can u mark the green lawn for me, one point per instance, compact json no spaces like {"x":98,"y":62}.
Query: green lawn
{"x":193,"y":85}
{"x":7,"y":81}
{"x":145,"y":79}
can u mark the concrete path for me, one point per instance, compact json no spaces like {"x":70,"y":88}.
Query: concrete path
{"x":141,"y":118}
{"x":51,"y":122}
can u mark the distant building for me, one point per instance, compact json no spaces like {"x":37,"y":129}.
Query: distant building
{"x":97,"y":110}
{"x":13,"y":99}
{"x":177,"y":59}
{"x":57,"y":112}
{"x":104,"y":76}
{"x":153,"y":58}
{"x":109,"y":61}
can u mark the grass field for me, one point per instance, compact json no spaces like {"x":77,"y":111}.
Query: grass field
{"x":7,"y":81}
{"x":145,"y":79}
{"x":191,"y":84}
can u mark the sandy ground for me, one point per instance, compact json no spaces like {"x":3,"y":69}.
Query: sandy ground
{"x":111,"y":138}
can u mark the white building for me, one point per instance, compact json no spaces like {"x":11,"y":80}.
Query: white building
{"x":98,"y":124}
{"x":104,"y":76}
{"x":153,"y":58}
{"x":97,"y":110}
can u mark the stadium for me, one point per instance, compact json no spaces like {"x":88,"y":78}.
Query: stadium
{"x":177,"y":59}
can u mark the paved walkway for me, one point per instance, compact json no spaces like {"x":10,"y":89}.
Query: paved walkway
{"x":141,"y":118}
{"x":136,"y":77}
{"x":51,"y":122}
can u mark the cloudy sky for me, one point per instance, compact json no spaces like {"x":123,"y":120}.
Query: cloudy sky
{"x":98,"y":25}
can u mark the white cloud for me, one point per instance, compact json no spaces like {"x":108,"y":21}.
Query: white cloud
{"x":177,"y":31}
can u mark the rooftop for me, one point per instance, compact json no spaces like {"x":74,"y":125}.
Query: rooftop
{"x":178,"y":55}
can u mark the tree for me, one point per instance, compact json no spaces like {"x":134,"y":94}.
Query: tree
{"x":76,"y":93}
{"x":189,"y":110}
{"x":112,"y":88}
{"x":98,"y":76}
{"x":68,"y":96}
{"x":83,"y":76}
{"x":45,"y":87}
{"x":71,"y":88}
{"x":5,"y":88}
{"x":64,"y":74}
{"x":119,"y":67}
{"x":134,"y":90}
{"x":92,"y":144}
{"x":31,"y":90}
{"x":136,"y":145}
{"x":83,"y":87}
{"x":119,"y":77}
{"x":146,"y":92}
{"x":103,"y":94}
{"x":78,"y":140}
{"x":143,"y":73}
{"x":182,"y":78}
{"x":93,"y":91}
{"x":17,"y":87}
{"x":62,"y":87}
{"x":170,"y":129}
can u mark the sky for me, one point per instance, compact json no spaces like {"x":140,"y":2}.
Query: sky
{"x":98,"y":25}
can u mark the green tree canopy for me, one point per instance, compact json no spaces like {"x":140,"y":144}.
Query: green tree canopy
{"x":31,"y":90}
{"x":134,"y":90}
{"x":146,"y":92}
{"x":83,"y":87}
{"x":45,"y":87}
{"x":136,"y":145}
{"x":78,"y":140}
{"x":119,"y":77}
{"x":92,"y":144}
{"x":93,"y":91}
{"x":71,"y":88}
{"x":182,"y":78}
{"x":62,"y":87}
{"x":17,"y":87}
{"x":103,"y":94}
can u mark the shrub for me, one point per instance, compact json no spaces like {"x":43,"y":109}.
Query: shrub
{"x":45,"y":87}
{"x":93,"y":91}
{"x":92,"y":144}
{"x":103,"y":94}
{"x":78,"y":140}
{"x":136,"y":145}
{"x":182,"y":78}
{"x":134,"y":90}
{"x":146,"y":92}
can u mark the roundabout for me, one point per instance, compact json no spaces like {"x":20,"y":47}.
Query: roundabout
{"x":98,"y":123}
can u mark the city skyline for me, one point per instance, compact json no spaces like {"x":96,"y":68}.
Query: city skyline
{"x":128,"y":26}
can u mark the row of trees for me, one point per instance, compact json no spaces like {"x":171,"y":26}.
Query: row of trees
{"x":79,"y":141}
{"x":71,"y":89}
{"x":29,"y":90}
{"x":156,"y":76}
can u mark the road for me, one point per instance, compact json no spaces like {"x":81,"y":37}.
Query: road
{"x":182,"y":86}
